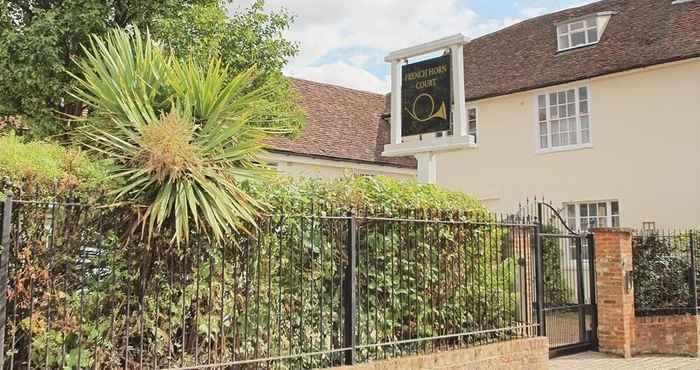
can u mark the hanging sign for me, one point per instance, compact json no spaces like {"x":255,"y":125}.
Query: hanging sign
{"x":426,"y":96}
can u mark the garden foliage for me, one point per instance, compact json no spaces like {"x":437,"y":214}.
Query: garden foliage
{"x":662,"y":270}
{"x":103,"y":302}
{"x":40,"y":41}
{"x":44,"y":169}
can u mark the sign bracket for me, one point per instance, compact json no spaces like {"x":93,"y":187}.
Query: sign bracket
{"x":429,"y":144}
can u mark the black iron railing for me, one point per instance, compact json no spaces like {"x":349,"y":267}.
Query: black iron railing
{"x":311,"y":289}
{"x":665,"y":272}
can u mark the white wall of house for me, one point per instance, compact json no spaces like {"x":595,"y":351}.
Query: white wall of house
{"x":644,"y":150}
{"x":317,"y":168}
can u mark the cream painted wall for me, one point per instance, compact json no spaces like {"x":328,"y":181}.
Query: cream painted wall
{"x":645,"y":149}
{"x":292,"y":165}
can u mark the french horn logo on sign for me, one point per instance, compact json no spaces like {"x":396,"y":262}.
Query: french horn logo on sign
{"x":426,"y":96}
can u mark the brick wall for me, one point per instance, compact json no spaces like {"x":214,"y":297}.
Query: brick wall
{"x":673,"y":334}
{"x":521,"y":354}
{"x":619,"y":331}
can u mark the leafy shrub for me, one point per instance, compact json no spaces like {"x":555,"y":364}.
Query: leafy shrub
{"x":42,"y":169}
{"x":661,"y":271}
{"x":373,"y":194}
{"x":279,"y":287}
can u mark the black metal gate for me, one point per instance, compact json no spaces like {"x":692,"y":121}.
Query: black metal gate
{"x":565,"y":302}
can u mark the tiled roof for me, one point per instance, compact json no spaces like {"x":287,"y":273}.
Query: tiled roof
{"x":342,"y":124}
{"x":524,"y":56}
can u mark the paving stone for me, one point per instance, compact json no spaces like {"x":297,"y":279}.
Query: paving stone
{"x":596,"y":360}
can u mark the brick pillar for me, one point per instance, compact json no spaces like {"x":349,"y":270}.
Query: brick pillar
{"x":615,"y":296}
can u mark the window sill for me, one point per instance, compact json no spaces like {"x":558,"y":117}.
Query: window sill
{"x":565,"y":149}
{"x":563,"y":51}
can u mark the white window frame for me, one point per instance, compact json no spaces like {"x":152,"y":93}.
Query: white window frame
{"x":579,"y":145}
{"x":477,"y":138}
{"x":585,"y":29}
{"x":570,"y":252}
{"x":608,"y":217}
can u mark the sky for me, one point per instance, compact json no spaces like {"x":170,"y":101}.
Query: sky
{"x":344,"y":42}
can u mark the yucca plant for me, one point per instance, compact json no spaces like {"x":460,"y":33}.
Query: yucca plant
{"x":182,"y":135}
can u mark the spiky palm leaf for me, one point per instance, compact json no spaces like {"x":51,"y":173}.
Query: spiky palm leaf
{"x":182,"y":135}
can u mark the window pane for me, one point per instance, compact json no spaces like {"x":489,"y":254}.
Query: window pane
{"x":564,"y":138}
{"x":592,"y":35}
{"x":592,"y":210}
{"x":583,"y":107}
{"x":555,"y":127}
{"x":553,"y":99}
{"x":563,"y":42}
{"x":584,"y":123}
{"x":571,"y":210}
{"x":472,"y":114}
{"x":571,"y":110}
{"x":602,"y":222}
{"x":553,"y":113}
{"x":583,"y":93}
{"x":577,"y":25}
{"x":615,"y":221}
{"x":583,"y":210}
{"x":563,"y":28}
{"x":543,"y":114}
{"x":614,"y":208}
{"x":572,"y":137}
{"x":602,"y":209}
{"x":542,"y":101}
{"x":570,"y":96}
{"x":591,"y":22}
{"x":543,"y":142}
{"x":578,"y":38}
{"x":543,"y":128}
{"x":562,"y":97}
{"x":562,"y":111}
{"x":555,"y":140}
{"x":585,"y":137}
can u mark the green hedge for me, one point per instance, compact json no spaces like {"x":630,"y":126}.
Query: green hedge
{"x":46,"y":169}
{"x":374,"y":194}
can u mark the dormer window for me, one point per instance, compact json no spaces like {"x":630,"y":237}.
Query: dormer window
{"x":582,"y":31}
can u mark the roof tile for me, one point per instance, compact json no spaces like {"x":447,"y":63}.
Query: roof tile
{"x":524,"y":56}
{"x":342,"y":123}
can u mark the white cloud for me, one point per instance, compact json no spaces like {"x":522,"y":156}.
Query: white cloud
{"x":343,"y":74}
{"x":371,"y":29}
